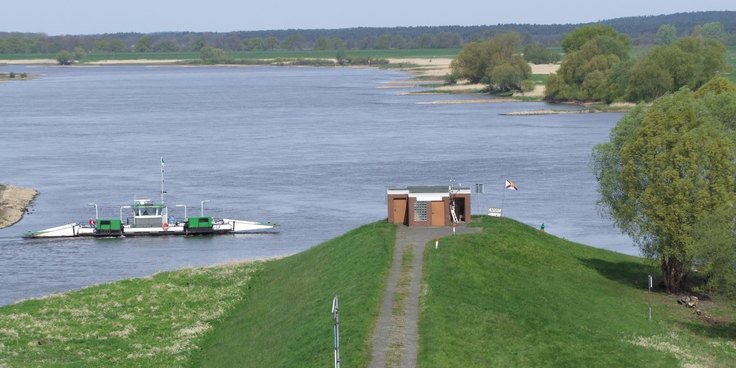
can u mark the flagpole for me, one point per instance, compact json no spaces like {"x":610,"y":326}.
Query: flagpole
{"x":162,"y":180}
{"x":503,"y":197}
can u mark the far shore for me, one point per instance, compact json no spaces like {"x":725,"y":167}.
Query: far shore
{"x":428,"y":75}
{"x":14,"y":203}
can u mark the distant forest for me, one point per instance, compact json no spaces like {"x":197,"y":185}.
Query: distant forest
{"x":641,"y":30}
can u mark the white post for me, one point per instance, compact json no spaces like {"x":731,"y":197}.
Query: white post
{"x":96,"y":213}
{"x":436,"y":243}
{"x":336,"y":319}
{"x":121,"y":212}
{"x":650,"y":283}
{"x":201,"y":205}
{"x":185,"y":209}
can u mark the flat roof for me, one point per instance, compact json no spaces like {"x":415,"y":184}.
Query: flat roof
{"x":430,"y":189}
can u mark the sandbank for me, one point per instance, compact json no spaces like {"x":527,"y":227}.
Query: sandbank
{"x":14,"y":202}
{"x":430,"y":71}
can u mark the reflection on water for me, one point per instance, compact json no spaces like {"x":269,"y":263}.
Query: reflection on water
{"x":309,"y":148}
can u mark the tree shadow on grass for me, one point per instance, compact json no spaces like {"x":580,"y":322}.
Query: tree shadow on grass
{"x":719,"y":330}
{"x":628,"y":273}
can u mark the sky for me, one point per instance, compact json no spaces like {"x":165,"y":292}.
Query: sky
{"x":76,"y":17}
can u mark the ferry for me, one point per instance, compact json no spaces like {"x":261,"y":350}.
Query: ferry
{"x":148,"y":218}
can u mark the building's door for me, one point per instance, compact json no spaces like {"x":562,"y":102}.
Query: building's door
{"x":399,"y":215}
{"x":438,"y":214}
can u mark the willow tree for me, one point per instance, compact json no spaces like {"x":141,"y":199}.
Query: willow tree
{"x":664,"y":169}
{"x":487,"y":61}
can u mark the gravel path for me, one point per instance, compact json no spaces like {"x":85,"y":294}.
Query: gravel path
{"x":396,"y":337}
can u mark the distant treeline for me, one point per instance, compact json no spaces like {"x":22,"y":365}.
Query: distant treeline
{"x":641,"y":31}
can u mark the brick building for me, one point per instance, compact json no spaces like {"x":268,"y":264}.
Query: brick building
{"x":425,"y":206}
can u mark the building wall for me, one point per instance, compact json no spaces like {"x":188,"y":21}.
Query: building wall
{"x":409,"y":211}
{"x":392,"y":210}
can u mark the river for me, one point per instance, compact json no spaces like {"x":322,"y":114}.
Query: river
{"x":310,"y":148}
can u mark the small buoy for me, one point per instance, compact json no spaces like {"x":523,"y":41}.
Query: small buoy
{"x":165,"y":226}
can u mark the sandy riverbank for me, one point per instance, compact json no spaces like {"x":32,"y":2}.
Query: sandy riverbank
{"x":432,"y":71}
{"x":14,"y":202}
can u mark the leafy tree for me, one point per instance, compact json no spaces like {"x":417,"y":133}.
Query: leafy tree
{"x":477,"y":60}
{"x":424,"y":41}
{"x":198,"y":44}
{"x":576,"y":39}
{"x":555,"y":88}
{"x":293,"y":42}
{"x":79,"y":53}
{"x":651,"y":83}
{"x":64,"y":57}
{"x":272,"y":43}
{"x":144,"y":44}
{"x":618,"y":80}
{"x":527,"y":85}
{"x":166,"y":46}
{"x":716,"y":86}
{"x":719,"y":98}
{"x":212,"y":55}
{"x":337,"y":43}
{"x":538,"y":54}
{"x":663,"y":170}
{"x":592,"y":54}
{"x":322,"y":43}
{"x":383,"y":42}
{"x":506,"y":77}
{"x":690,"y":61}
{"x":714,"y":250}
{"x":697,"y":31}
{"x":713,"y":30}
{"x":255,"y":44}
{"x":666,"y":34}
{"x":448,"y":40}
{"x":113,"y":45}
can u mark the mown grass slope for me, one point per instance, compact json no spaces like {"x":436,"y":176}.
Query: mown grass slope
{"x":155,"y":321}
{"x":513,"y":296}
{"x":285,"y":319}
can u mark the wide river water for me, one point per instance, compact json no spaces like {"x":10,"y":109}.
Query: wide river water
{"x":310,"y":148}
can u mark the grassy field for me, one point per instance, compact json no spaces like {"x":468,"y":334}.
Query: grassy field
{"x":152,"y":322}
{"x":513,"y":296}
{"x":265,"y":314}
{"x":286,"y":320}
{"x":509,"y":296}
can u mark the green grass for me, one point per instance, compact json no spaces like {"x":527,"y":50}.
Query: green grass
{"x":150,"y":322}
{"x":285,"y":319}
{"x":265,"y":314}
{"x":514,"y":296}
{"x":509,"y":296}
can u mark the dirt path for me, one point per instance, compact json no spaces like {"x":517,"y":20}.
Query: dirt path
{"x":396,"y":337}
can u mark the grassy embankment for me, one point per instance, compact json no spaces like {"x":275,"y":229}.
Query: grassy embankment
{"x":513,"y":296}
{"x":275,"y":313}
{"x":510,"y":296}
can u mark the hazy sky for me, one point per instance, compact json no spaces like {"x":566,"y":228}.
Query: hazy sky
{"x":56,"y":17}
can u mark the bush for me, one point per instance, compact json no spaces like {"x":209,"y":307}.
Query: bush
{"x":538,"y":54}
